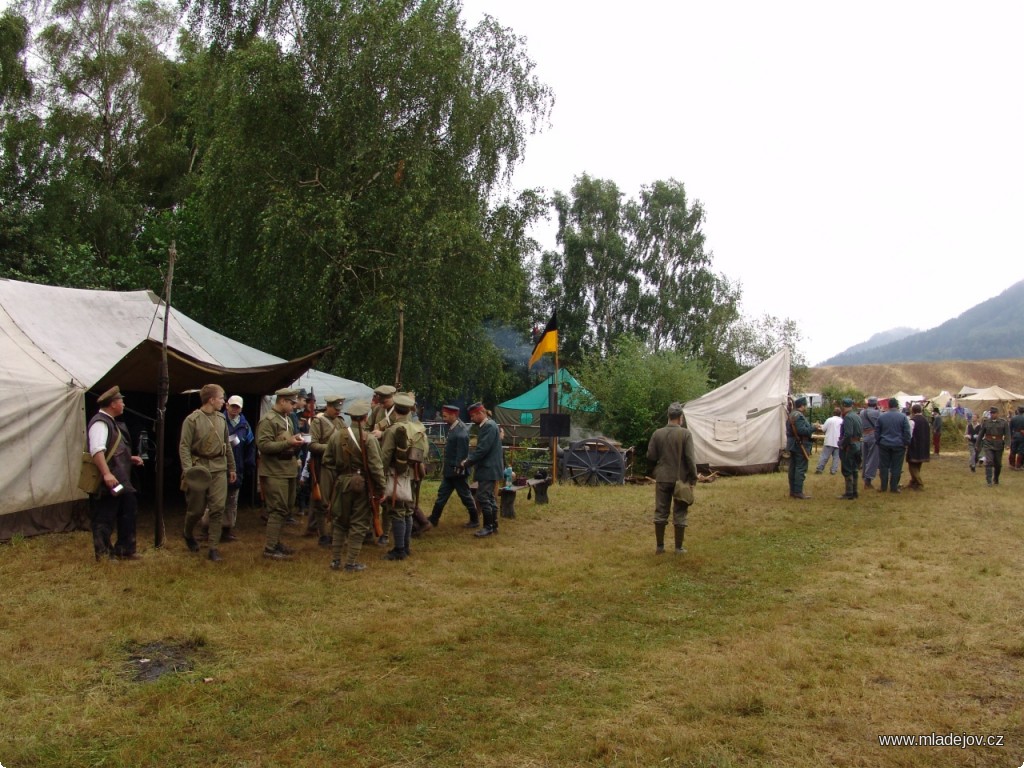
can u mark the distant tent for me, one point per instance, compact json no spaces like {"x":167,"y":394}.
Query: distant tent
{"x":943,"y":400}
{"x":60,"y":344}
{"x":521,"y":415}
{"x":740,"y":428}
{"x":983,"y":399}
{"x":903,"y":398}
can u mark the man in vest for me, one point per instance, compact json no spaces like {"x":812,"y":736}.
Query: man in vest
{"x":278,"y":444}
{"x":353,"y":458}
{"x":207,"y":465}
{"x":489,"y":461}
{"x":321,"y":427}
{"x":453,"y":476}
{"x":114,"y":506}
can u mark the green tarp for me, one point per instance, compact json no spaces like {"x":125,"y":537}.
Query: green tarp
{"x":521,"y":414}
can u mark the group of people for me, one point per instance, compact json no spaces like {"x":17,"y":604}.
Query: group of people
{"x":881,"y":440}
{"x":365,"y":475}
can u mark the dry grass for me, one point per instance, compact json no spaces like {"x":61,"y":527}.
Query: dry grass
{"x":925,"y":379}
{"x":792,"y":634}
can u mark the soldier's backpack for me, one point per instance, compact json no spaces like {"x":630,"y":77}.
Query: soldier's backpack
{"x":419,"y":448}
{"x":400,"y":458}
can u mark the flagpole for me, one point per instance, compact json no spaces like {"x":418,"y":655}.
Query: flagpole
{"x":554,"y":440}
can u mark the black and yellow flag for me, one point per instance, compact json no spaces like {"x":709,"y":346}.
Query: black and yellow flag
{"x":548,"y":341}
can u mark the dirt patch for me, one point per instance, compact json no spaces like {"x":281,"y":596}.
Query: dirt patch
{"x":150,"y":661}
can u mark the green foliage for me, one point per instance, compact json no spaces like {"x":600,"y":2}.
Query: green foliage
{"x":633,"y":386}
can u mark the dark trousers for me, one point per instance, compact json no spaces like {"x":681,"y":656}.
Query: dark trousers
{"x":110,"y":513}
{"x":993,"y":464}
{"x":797,"y":470}
{"x":488,"y":505}
{"x":850,"y":457}
{"x":460,"y":485}
{"x":890,"y":466}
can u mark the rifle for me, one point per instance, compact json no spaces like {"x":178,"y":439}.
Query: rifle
{"x":378,"y":529}
{"x":799,"y":440}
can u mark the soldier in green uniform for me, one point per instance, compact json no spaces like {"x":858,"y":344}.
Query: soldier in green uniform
{"x":395,"y":442}
{"x":994,"y":433}
{"x":850,"y":434}
{"x":321,"y":427}
{"x":353,"y":457}
{"x":278,"y":444}
{"x":382,"y":412}
{"x":798,"y":443}
{"x":205,"y":443}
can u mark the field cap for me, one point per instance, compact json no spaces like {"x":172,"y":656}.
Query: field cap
{"x":358,"y":410}
{"x":112,"y":394}
{"x":848,"y":402}
{"x":198,"y":478}
{"x":476,"y":407}
{"x":872,"y":400}
{"x":799,"y":402}
{"x":994,"y":409}
{"x":235,"y":400}
{"x":385,"y":390}
{"x":334,"y":400}
{"x":451,"y":409}
{"x":404,"y":400}
{"x":288,"y":393}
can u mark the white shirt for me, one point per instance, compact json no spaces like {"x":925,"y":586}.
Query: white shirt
{"x":832,"y":426}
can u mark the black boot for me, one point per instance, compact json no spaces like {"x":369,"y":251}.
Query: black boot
{"x":659,"y":538}
{"x":398,"y":532}
{"x":848,"y":493}
{"x":680,"y":532}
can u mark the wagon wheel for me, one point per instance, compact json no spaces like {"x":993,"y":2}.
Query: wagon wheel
{"x":435,"y":461}
{"x":595,"y":462}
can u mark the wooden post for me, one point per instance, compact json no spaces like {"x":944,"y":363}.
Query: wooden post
{"x":162,"y":391}
{"x":401,"y":341}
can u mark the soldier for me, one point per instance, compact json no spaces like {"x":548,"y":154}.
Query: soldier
{"x":850,"y":435}
{"x":321,"y":427}
{"x":208,"y":465}
{"x":381,"y":413}
{"x":893,"y":437}
{"x":869,"y":445}
{"x":798,"y":443}
{"x":994,"y":434}
{"x":670,"y":458}
{"x":394,"y":447}
{"x":489,"y":461}
{"x":278,"y":444}
{"x":453,"y":476}
{"x":1017,"y":439}
{"x":353,"y":458}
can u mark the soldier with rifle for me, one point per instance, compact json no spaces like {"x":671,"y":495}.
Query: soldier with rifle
{"x":353,"y":458}
{"x":850,"y":434}
{"x":798,"y":443}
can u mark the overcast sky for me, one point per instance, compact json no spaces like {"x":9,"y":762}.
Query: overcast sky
{"x":861,"y":165}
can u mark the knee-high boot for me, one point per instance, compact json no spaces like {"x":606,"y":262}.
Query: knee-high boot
{"x":659,"y":537}
{"x":398,"y":536}
{"x":680,"y":532}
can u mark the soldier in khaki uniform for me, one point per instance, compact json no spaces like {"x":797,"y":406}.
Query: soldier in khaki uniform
{"x":382,"y":413}
{"x":204,"y":443}
{"x":993,"y":435}
{"x":353,"y":457}
{"x":321,"y":427}
{"x":278,"y":444}
{"x":399,"y":512}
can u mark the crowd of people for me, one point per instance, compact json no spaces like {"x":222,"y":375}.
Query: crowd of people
{"x":359,"y":480}
{"x":879,"y":438}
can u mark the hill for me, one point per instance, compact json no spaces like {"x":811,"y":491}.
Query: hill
{"x":878,"y":340}
{"x":988,"y":331}
{"x":926,"y":379}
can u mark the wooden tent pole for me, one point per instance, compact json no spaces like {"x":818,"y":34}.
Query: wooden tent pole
{"x":162,"y":392}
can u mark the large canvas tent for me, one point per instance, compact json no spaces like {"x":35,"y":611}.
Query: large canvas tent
{"x":740,"y":428}
{"x":983,"y":399}
{"x":59,"y":344}
{"x":521,"y":415}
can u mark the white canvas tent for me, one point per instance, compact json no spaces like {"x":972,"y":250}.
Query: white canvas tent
{"x":740,"y":428}
{"x":983,"y":399}
{"x":58,"y":344}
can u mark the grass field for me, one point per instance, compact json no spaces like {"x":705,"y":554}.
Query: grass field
{"x":792,"y":634}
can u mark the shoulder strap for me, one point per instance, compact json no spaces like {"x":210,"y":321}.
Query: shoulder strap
{"x":117,"y":441}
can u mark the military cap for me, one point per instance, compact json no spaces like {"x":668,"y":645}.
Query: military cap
{"x":450,"y":408}
{"x":994,"y":409}
{"x":404,"y":400}
{"x":288,"y":393}
{"x":848,"y":402}
{"x":800,"y":402}
{"x":359,"y":409}
{"x":476,"y":407}
{"x":301,"y":392}
{"x":198,"y":478}
{"x":109,"y":396}
{"x":335,"y":400}
{"x":872,"y":400}
{"x":385,"y":390}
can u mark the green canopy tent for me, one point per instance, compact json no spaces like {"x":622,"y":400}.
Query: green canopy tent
{"x":520,"y":416}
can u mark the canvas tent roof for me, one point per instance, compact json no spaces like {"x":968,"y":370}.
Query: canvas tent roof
{"x":740,"y":428}
{"x":522,"y":413}
{"x":983,"y":399}
{"x":58,"y":343}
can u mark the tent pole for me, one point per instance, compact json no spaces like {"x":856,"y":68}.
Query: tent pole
{"x":162,"y":391}
{"x":554,"y":409}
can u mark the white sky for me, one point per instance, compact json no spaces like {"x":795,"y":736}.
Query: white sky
{"x":861,"y":165}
